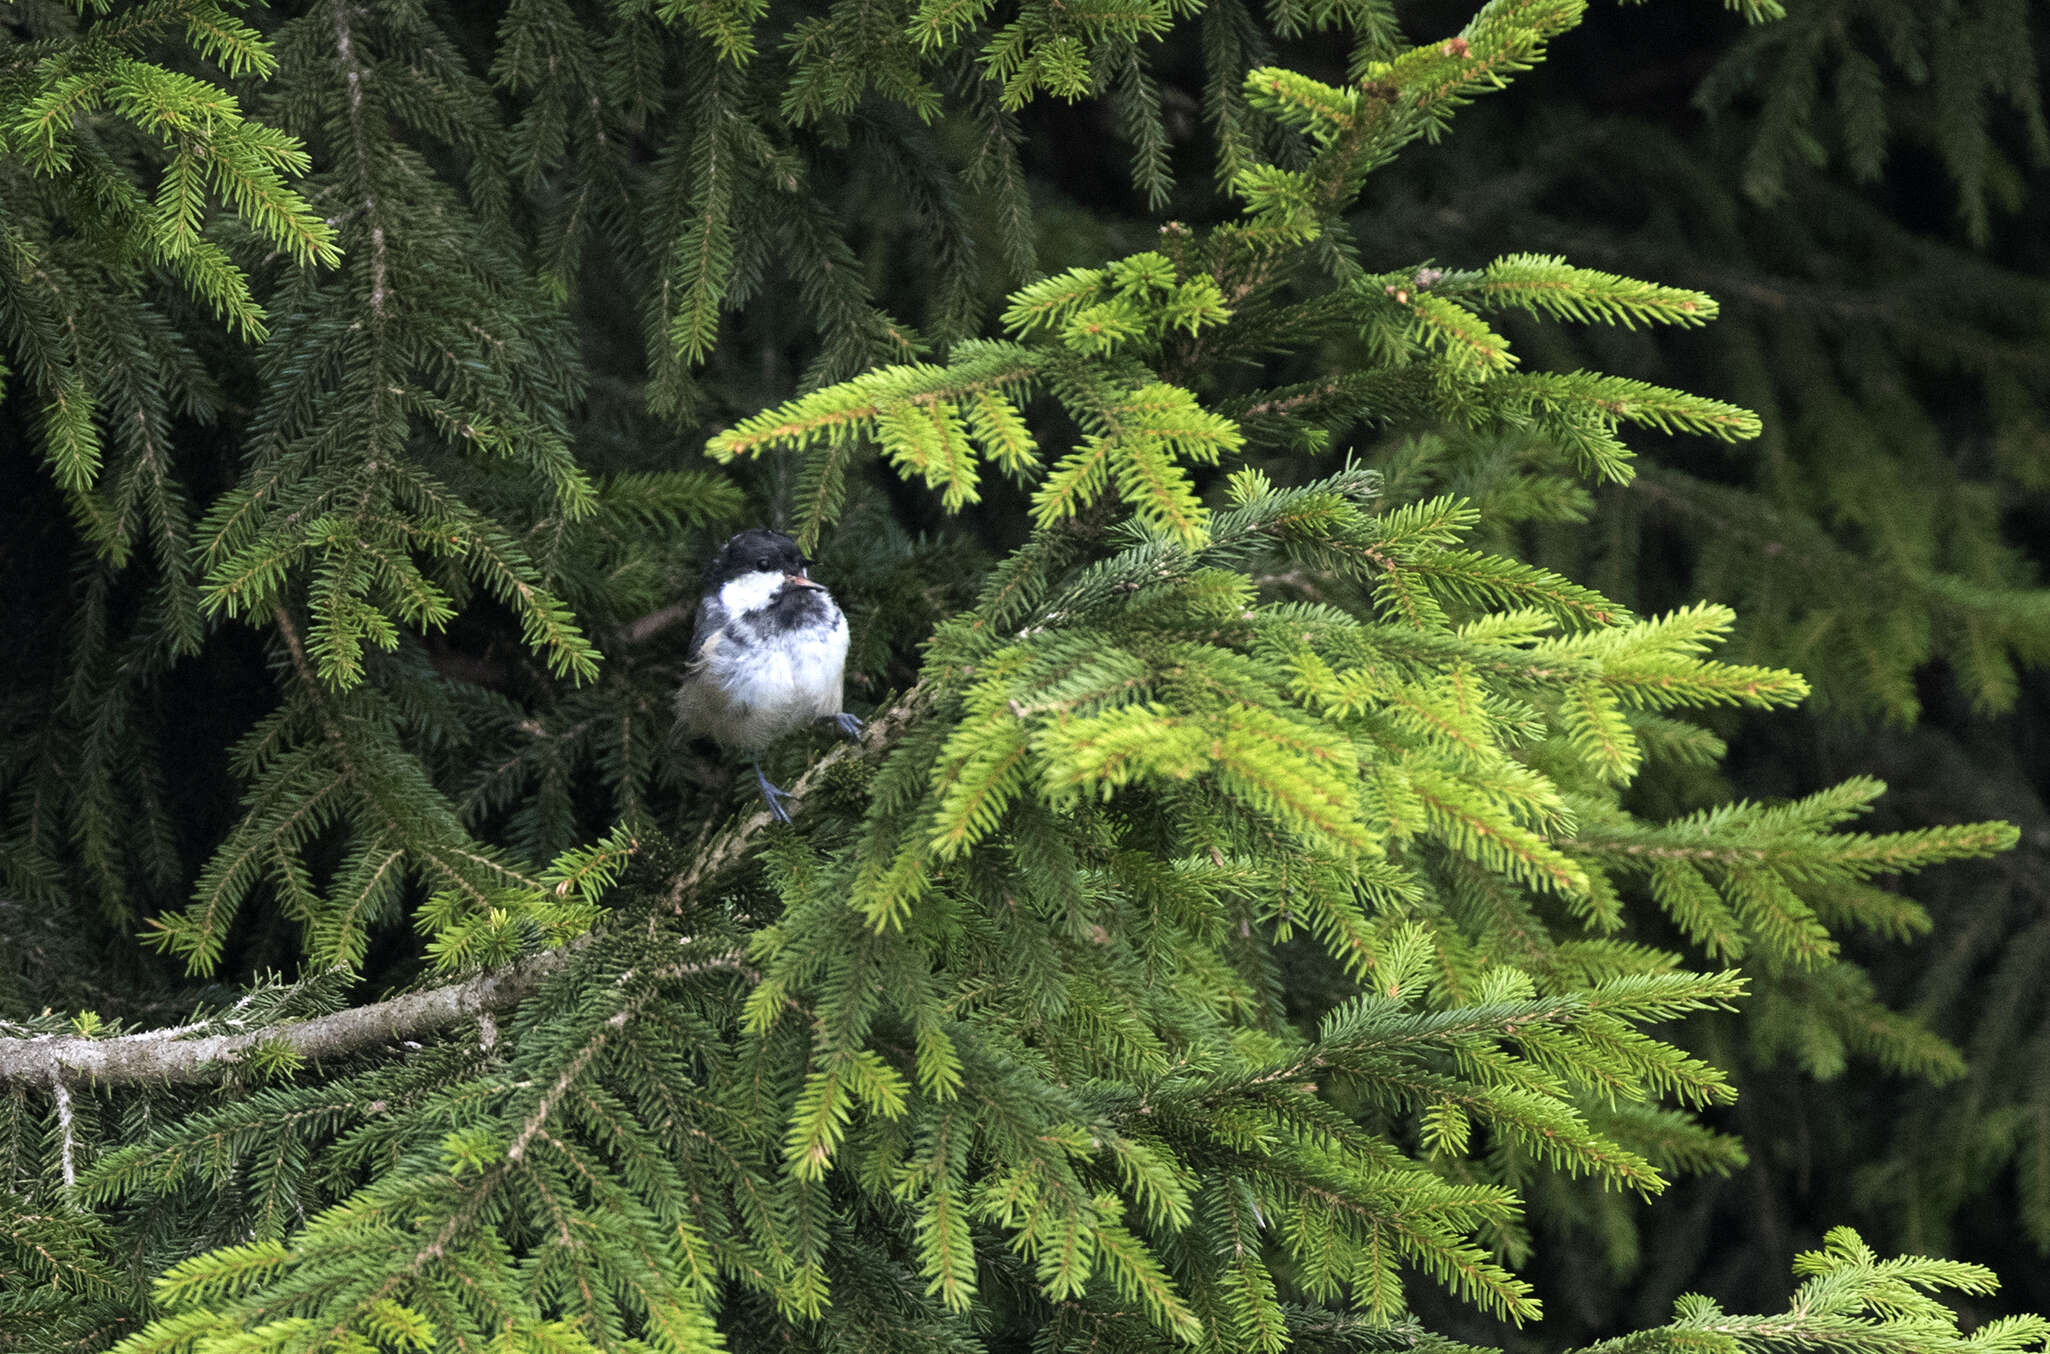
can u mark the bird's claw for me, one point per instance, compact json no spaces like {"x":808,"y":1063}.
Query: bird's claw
{"x":773,"y":795}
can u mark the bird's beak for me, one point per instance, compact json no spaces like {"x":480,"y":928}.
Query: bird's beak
{"x":799,"y":579}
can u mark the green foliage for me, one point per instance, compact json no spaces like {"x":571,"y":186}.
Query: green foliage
{"x":1851,"y":1300}
{"x":1869,"y":538}
{"x":1263,"y":909}
{"x":1882,"y":308}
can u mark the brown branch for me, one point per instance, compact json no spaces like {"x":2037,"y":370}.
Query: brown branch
{"x":185,"y":1055}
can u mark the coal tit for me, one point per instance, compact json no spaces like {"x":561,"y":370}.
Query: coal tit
{"x":767,"y":655}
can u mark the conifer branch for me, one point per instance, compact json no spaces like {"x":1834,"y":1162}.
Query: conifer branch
{"x":181,"y":1055}
{"x":727,"y":849}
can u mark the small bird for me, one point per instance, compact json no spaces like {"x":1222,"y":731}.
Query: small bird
{"x":767,"y":656}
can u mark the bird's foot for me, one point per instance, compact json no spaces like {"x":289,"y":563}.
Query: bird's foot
{"x":848,"y":726}
{"x":773,"y":795}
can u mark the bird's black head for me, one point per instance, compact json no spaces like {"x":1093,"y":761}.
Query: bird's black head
{"x":757,"y":550}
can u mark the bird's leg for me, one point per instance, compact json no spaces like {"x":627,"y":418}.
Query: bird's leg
{"x":846,"y":725}
{"x":773,"y":795}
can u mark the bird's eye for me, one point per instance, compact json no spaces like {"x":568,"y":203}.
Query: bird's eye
{"x":762,"y":564}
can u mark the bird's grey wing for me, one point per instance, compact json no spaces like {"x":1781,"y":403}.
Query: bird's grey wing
{"x":694,"y":702}
{"x":704,"y":635}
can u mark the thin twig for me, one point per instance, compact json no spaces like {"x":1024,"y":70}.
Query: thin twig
{"x":655,"y":622}
{"x":64,"y":1126}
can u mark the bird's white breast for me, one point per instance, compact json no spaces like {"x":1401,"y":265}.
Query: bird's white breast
{"x":756,"y":683}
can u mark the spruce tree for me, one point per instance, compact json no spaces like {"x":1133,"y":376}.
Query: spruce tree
{"x":1250,"y":915}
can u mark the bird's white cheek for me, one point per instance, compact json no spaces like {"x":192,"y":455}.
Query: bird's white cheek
{"x":749,"y":592}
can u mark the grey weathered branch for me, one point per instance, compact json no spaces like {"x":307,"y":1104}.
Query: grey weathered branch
{"x":163,"y":1057}
{"x":192,"y":1054}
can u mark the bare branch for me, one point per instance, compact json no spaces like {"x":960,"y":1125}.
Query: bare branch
{"x":55,"y":1059}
